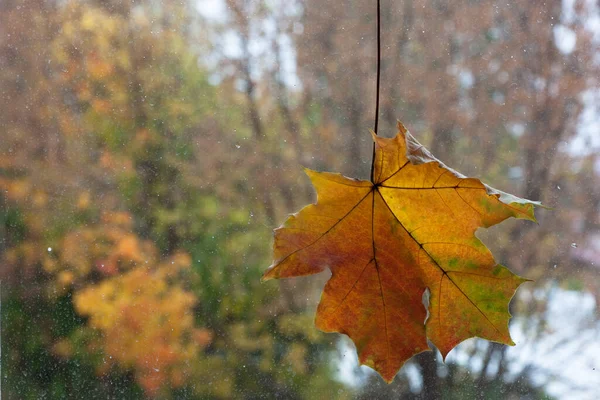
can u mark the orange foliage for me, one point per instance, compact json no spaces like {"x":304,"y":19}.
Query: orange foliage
{"x":107,"y":248}
{"x":147,"y":323}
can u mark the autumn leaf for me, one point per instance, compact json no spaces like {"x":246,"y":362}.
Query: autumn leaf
{"x":388,"y":242}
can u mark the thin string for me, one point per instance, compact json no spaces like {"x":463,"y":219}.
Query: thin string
{"x":377,"y":87}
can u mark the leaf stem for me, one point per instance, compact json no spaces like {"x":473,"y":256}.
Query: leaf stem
{"x":377,"y":85}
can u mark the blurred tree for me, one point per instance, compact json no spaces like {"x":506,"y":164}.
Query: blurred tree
{"x":129,"y":252}
{"x":147,"y":152}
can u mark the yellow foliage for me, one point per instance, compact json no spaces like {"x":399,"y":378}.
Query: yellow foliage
{"x":83,"y":201}
{"x":123,"y":219}
{"x":107,"y":248}
{"x":26,"y":255}
{"x":65,"y":278}
{"x":101,"y":106}
{"x":63,"y":348}
{"x":40,"y":198}
{"x":97,"y":67}
{"x":147,"y":324}
{"x":18,"y":190}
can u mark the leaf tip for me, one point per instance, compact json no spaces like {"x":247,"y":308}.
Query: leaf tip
{"x":535,"y":204}
{"x":373,"y":135}
{"x":265,"y":278}
{"x":311,"y":173}
{"x":268,"y":274}
{"x":401,"y":127}
{"x":525,"y":280}
{"x":307,"y":171}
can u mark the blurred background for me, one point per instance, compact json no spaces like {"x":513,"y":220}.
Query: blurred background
{"x":148,"y":148}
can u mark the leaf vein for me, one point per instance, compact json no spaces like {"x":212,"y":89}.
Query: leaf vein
{"x":438,"y":265}
{"x":324,"y":233}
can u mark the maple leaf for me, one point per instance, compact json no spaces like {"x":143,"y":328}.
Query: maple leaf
{"x":388,"y":241}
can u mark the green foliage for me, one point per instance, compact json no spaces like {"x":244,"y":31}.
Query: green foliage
{"x":31,"y":369}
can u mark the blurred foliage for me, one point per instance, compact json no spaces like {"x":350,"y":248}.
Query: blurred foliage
{"x":132,"y":263}
{"x":143,"y":165}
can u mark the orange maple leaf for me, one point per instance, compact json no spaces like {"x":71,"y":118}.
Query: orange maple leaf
{"x":388,"y":241}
